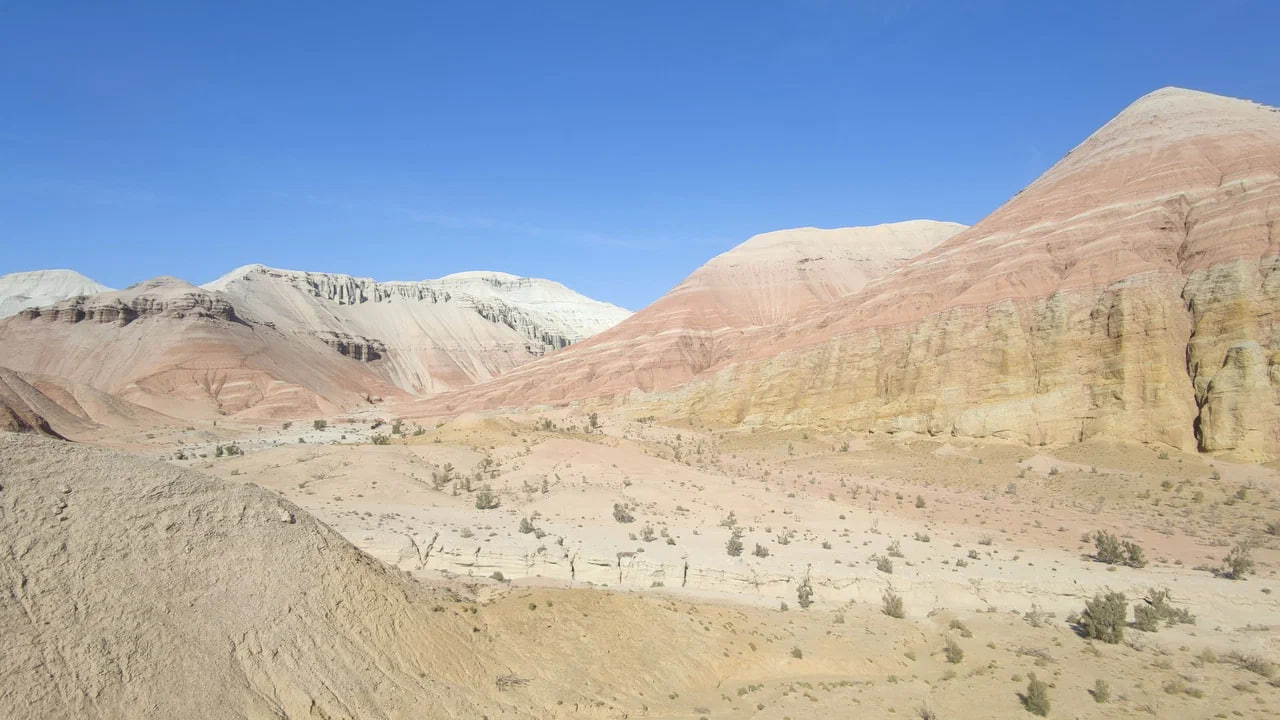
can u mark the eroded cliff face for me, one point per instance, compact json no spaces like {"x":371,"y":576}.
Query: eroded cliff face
{"x":159,"y":297}
{"x":1130,"y":292}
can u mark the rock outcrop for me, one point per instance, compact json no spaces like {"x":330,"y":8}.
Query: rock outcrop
{"x":1130,"y":291}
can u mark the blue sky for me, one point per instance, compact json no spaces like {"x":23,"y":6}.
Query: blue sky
{"x":614,"y":146}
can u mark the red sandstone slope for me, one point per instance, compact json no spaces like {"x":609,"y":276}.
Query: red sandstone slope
{"x":1131,"y":291}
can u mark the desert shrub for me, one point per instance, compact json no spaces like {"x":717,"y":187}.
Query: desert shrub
{"x":953,"y":651}
{"x":919,"y":501}
{"x":804,"y":593}
{"x":1107,"y":548}
{"x":1157,"y":608}
{"x":1146,"y":618}
{"x":760,"y":551}
{"x":734,"y":544}
{"x":526,"y":526}
{"x":1037,"y":698}
{"x":797,"y":653}
{"x":647,"y":534}
{"x":1112,"y":551}
{"x":497,"y":575}
{"x":1104,"y":617}
{"x":1101,"y":691}
{"x":381,"y":439}
{"x":1133,"y":554}
{"x":895,"y":549}
{"x":486,"y":499}
{"x":622,"y":514}
{"x":922,"y":537}
{"x":320,"y":424}
{"x":883,"y":564}
{"x":1239,"y":562}
{"x":1252,"y":662}
{"x":891,"y":605}
{"x":960,"y":627}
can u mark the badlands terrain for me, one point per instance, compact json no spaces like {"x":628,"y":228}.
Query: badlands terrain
{"x":905,"y":470}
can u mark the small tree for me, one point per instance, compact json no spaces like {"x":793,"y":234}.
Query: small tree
{"x":1037,"y":697}
{"x":804,"y":593}
{"x":734,"y":545}
{"x":1239,"y":562}
{"x":1104,"y":617}
{"x":891,"y":605}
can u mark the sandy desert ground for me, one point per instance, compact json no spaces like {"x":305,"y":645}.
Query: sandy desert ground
{"x":987,"y":544}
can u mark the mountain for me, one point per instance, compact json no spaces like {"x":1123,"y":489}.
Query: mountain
{"x":424,"y":336}
{"x":734,"y":305}
{"x":42,"y":287}
{"x":267,"y":343}
{"x":1129,"y":292}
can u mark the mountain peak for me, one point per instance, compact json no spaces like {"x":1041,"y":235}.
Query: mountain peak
{"x":35,"y":288}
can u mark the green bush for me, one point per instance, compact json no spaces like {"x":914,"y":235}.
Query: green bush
{"x":1146,"y":618}
{"x":734,"y":545}
{"x":891,"y":605}
{"x":804,"y":593}
{"x":1104,"y":617}
{"x":1037,"y":697}
{"x":1112,"y":551}
{"x":1157,"y":608}
{"x":953,"y":651}
{"x":1101,"y":691}
{"x":1239,"y":562}
{"x":486,"y":499}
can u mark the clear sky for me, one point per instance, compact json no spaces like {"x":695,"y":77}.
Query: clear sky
{"x":614,"y":146}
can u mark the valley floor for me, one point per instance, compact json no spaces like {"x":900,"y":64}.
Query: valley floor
{"x":987,"y":545}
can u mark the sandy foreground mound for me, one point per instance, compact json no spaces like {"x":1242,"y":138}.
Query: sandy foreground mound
{"x":136,"y":589}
